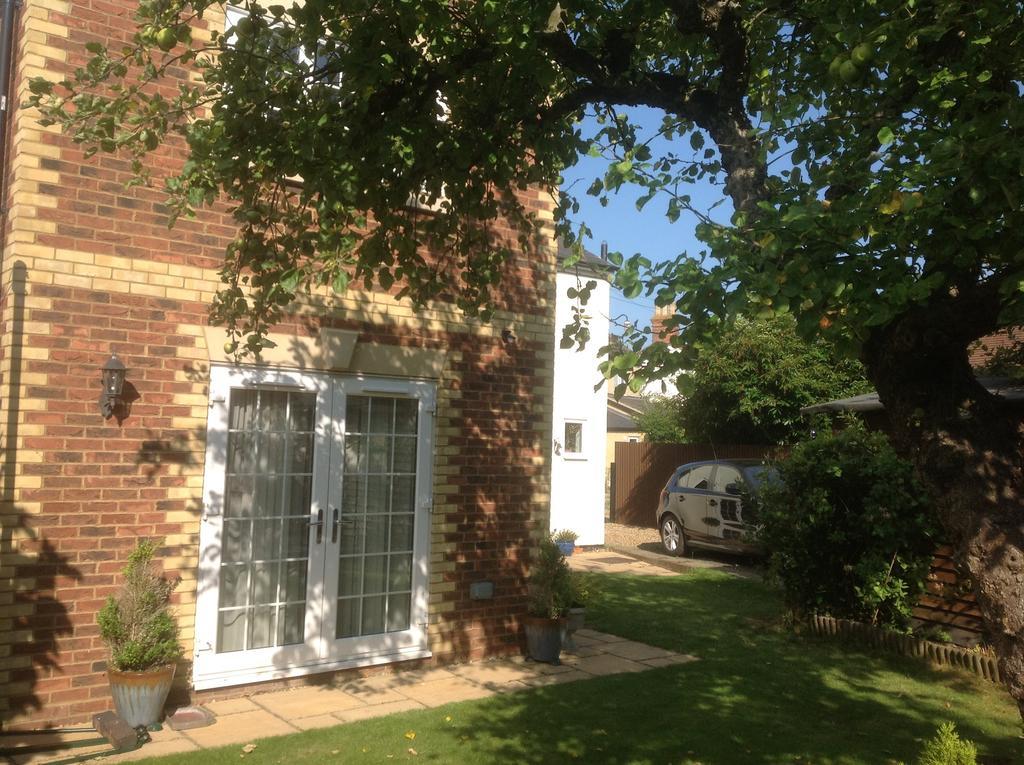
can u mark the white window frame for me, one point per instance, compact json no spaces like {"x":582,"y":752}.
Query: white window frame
{"x":581,"y":455}
{"x":319,"y":653}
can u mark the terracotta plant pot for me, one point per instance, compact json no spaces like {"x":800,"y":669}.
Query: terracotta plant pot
{"x":139,"y":697}
{"x":544,"y":638}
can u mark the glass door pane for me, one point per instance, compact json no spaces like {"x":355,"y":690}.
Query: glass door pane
{"x":375,"y":546}
{"x":267,"y":493}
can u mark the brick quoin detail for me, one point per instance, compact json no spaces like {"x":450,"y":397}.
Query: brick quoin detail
{"x":88,"y":268}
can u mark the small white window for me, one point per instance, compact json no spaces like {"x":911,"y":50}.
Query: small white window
{"x":573,"y":438}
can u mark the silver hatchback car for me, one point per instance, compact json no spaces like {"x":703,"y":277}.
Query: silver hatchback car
{"x":700,"y":505}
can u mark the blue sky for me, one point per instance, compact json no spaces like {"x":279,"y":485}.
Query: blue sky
{"x":628,"y":230}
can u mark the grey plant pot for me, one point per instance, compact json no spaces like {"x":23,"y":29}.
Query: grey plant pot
{"x":139,"y":697}
{"x":544,"y":638}
{"x":574,"y":621}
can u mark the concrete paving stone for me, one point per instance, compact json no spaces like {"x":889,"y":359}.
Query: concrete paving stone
{"x":317,"y":721}
{"x":241,"y":728}
{"x":307,"y":702}
{"x":629,"y":649}
{"x":583,"y":650}
{"x":669,"y":661}
{"x":399,"y":680}
{"x":588,"y":634}
{"x":495,"y":675}
{"x":607,"y":664}
{"x":540,"y":667}
{"x":444,"y":691}
{"x":609,"y":638}
{"x":570,"y":675}
{"x":231,"y":706}
{"x":177,"y":745}
{"x":377,"y":710}
{"x":585,"y":640}
{"x":371,"y":693}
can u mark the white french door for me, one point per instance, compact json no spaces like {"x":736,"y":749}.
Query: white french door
{"x":313,"y":545}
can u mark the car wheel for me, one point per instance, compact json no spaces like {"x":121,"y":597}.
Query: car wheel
{"x":672,"y":538}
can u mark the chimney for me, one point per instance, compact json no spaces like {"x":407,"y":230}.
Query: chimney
{"x":604,"y":250}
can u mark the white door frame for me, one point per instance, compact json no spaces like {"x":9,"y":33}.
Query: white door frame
{"x":320,"y":652}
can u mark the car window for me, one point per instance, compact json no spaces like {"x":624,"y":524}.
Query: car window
{"x":699,"y":477}
{"x":681,"y":481}
{"x":726,"y":475}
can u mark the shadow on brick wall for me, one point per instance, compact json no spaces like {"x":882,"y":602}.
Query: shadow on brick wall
{"x":30,"y":564}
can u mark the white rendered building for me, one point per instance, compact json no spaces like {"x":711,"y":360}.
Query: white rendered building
{"x":579,"y":412}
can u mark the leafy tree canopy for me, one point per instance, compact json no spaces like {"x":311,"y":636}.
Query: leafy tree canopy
{"x":661,"y":420}
{"x":749,"y":382}
{"x":868,"y":150}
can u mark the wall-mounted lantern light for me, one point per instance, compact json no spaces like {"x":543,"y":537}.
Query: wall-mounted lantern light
{"x":113,"y":382}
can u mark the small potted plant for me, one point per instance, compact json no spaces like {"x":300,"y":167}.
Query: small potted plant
{"x":579,"y":595}
{"x":566,"y":541}
{"x":550,"y":591}
{"x":142,"y":635}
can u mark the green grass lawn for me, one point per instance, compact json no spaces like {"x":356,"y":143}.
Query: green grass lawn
{"x":759,"y":695}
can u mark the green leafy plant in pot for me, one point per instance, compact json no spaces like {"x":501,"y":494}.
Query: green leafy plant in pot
{"x":139,"y":629}
{"x":565,"y":540}
{"x":550,"y":594}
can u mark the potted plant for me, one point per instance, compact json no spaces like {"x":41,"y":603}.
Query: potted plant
{"x":550,"y":591}
{"x":579,"y":595}
{"x":566,"y":540}
{"x":142,"y":635}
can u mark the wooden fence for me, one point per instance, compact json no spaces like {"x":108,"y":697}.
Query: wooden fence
{"x":949,"y":602}
{"x":641,"y":471}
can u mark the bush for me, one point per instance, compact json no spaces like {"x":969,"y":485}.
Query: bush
{"x":660,"y":420}
{"x":751,"y":379}
{"x":849,"y":531}
{"x":137,"y":625}
{"x":947,"y":748}
{"x":550,"y":582}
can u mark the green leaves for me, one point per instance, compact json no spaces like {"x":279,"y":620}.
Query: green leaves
{"x":849,"y":528}
{"x":899,"y":167}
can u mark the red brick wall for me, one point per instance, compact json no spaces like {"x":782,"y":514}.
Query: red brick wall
{"x":104,"y":274}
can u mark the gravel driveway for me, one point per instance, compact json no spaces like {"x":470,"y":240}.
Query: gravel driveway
{"x":645,"y":544}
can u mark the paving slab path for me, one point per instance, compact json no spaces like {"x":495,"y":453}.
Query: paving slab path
{"x":274,"y":713}
{"x":245,"y":719}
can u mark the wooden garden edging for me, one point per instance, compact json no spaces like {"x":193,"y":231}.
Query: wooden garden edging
{"x":986,"y":667}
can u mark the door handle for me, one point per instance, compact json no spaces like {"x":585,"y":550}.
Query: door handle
{"x":319,"y":525}
{"x":334,"y":527}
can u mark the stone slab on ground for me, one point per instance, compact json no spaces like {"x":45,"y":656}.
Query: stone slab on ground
{"x":187,"y":718}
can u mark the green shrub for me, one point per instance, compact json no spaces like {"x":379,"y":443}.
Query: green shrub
{"x":137,"y":625}
{"x":550,"y":582}
{"x":849,"y":531}
{"x":947,"y":748}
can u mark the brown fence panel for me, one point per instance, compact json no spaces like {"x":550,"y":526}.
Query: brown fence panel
{"x":642,"y":469}
{"x":949,"y":602}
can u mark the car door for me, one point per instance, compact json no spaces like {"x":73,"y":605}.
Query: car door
{"x":725,"y":514}
{"x":691,"y":498}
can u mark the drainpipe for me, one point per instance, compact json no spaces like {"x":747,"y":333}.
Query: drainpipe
{"x":7,"y":19}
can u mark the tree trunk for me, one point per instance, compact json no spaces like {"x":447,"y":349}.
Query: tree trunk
{"x":966,"y":445}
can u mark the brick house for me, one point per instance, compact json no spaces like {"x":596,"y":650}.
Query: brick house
{"x":327,"y":510}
